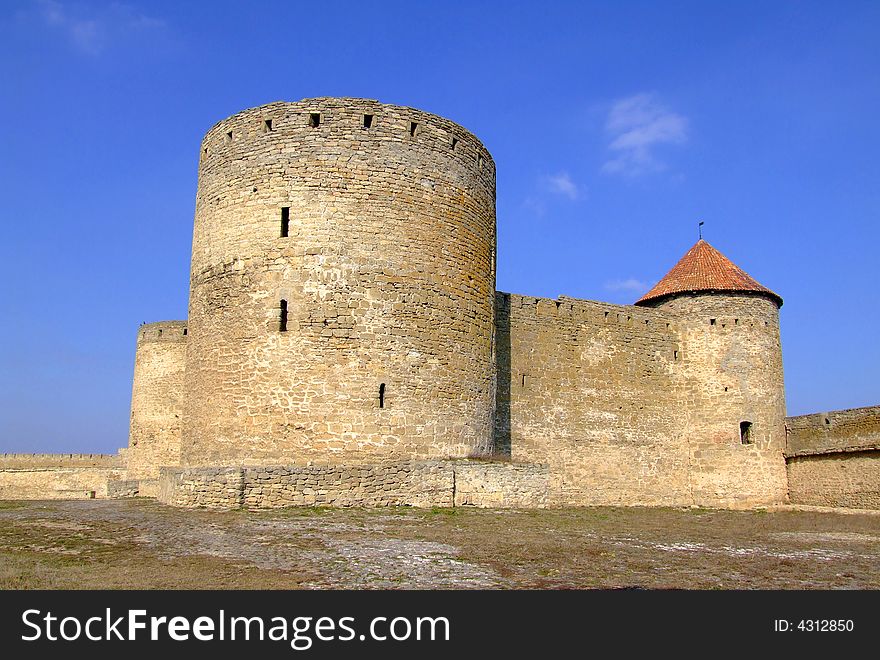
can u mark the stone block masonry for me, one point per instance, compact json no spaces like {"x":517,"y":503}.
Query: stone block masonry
{"x":641,"y":405}
{"x":156,"y":399}
{"x":342,"y":287}
{"x":833,"y":458}
{"x":410,"y":483}
{"x":854,"y":429}
{"x":59,"y":476}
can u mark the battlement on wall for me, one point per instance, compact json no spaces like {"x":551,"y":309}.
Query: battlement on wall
{"x":591,"y":311}
{"x":166,"y":331}
{"x":364,"y":120}
{"x":28,"y":461}
{"x":854,"y":429}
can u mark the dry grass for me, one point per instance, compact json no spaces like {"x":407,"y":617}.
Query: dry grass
{"x":135,"y":544}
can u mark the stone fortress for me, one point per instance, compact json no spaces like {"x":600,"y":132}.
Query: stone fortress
{"x":346,"y":346}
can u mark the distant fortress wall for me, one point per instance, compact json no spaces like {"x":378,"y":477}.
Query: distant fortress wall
{"x":833,"y":458}
{"x":59,"y":476}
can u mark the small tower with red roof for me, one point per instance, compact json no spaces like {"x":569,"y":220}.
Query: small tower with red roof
{"x":732,"y":380}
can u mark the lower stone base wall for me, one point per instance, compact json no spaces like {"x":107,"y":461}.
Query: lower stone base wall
{"x":58,"y":483}
{"x":846,"y":479}
{"x":412,"y":483}
{"x":737,"y":477}
{"x":663,"y":474}
{"x":501,"y":485}
{"x":604,"y":475}
{"x":148,"y":487}
{"x":123,"y":488}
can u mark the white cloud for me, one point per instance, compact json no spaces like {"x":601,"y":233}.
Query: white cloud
{"x":628,"y":284}
{"x":92,"y":34}
{"x":561,"y":184}
{"x":637,"y":125}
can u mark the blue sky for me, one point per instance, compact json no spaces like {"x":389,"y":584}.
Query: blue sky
{"x":615,"y":126}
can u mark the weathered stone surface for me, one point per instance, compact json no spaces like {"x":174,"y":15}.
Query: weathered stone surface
{"x":832,"y":458}
{"x":58,"y":483}
{"x":846,"y":479}
{"x":411,"y":483}
{"x":156,"y":399}
{"x":641,"y":405}
{"x":388,"y":275}
{"x":856,"y":429}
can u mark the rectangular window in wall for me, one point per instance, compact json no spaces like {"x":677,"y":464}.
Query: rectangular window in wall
{"x":282,"y":318}
{"x":285,"y":221}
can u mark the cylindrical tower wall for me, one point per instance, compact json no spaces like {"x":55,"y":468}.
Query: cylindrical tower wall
{"x":342,"y":287}
{"x":734,"y":395}
{"x":156,"y":399}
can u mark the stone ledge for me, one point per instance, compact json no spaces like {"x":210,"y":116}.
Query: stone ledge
{"x":444,"y":483}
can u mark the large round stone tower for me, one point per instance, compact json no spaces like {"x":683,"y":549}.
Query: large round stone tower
{"x":732,"y":390}
{"x":342,"y":287}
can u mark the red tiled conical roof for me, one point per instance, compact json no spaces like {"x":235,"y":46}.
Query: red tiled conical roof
{"x":704,"y":268}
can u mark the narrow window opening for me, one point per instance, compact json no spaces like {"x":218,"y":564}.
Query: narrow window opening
{"x":229,"y":136}
{"x":160,"y":332}
{"x":745,"y":432}
{"x":206,"y":151}
{"x":454,"y":143}
{"x":314,"y":119}
{"x":711,"y":321}
{"x":282,"y":319}
{"x":736,"y":321}
{"x":525,"y":380}
{"x":827,"y":421}
{"x":725,"y":389}
{"x":184,"y":332}
{"x":91,"y":494}
{"x":413,"y":128}
{"x":675,"y":355}
{"x":368,"y":121}
{"x":480,"y":161}
{"x":267,"y":125}
{"x":285,"y":221}
{"x":382,"y":395}
{"x":606,"y":315}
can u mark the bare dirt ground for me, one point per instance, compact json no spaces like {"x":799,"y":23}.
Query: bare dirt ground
{"x":139,"y":544}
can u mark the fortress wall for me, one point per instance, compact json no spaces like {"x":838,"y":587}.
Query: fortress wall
{"x":593,"y":390}
{"x":409,"y":483}
{"x":732,"y":369}
{"x":847,"y":479}
{"x":57,"y":483}
{"x":833,"y":458}
{"x":501,"y":485}
{"x":156,"y":399}
{"x":33,"y":461}
{"x":839,"y":430}
{"x":388,"y":273}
